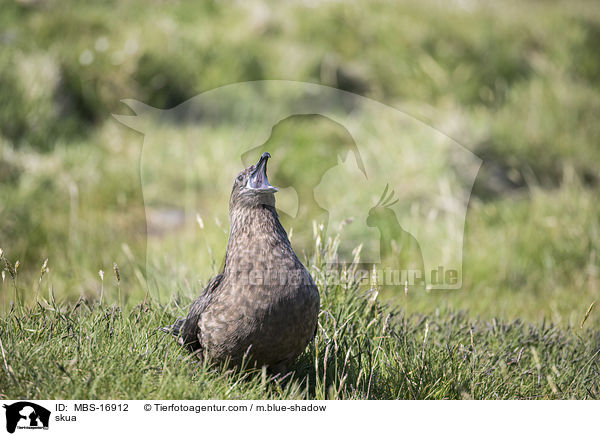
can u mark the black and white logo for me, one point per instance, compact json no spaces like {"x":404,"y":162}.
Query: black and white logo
{"x":26,"y":415}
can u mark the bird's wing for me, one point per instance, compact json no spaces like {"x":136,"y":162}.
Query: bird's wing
{"x":189,"y":328}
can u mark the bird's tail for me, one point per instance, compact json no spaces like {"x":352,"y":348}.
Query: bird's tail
{"x":174,"y":329}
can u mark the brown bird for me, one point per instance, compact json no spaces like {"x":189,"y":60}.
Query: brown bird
{"x":264,"y":304}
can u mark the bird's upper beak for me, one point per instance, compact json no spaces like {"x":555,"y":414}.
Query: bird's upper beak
{"x":258,"y":180}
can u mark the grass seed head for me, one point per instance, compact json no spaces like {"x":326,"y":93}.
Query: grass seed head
{"x":116,"y":271}
{"x":9,"y":268}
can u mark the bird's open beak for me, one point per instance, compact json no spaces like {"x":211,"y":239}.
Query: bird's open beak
{"x":258,"y":180}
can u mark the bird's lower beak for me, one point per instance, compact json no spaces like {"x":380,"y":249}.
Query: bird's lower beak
{"x":258,"y":179}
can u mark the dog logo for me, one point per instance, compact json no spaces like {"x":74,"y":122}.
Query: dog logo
{"x":26,"y":415}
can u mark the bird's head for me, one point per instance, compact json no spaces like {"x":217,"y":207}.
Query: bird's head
{"x":251,"y":187}
{"x":382,"y":212}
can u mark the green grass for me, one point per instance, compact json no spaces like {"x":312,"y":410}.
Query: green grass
{"x":363,"y":350}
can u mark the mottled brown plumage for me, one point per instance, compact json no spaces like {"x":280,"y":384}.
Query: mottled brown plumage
{"x":264,"y":302}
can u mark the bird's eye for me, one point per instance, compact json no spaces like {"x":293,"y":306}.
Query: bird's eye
{"x":240,"y":178}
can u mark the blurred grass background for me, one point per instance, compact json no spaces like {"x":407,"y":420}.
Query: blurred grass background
{"x":517,"y":83}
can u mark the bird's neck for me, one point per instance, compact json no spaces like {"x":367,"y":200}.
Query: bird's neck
{"x":254,"y":235}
